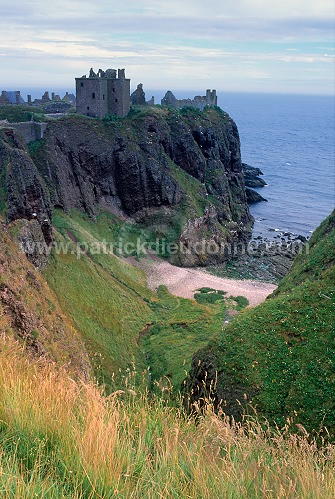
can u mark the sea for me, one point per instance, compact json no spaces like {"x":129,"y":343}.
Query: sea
{"x":291,"y":138}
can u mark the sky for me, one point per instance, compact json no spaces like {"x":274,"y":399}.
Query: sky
{"x":284,"y":46}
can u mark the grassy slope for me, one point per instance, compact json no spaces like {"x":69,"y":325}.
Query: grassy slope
{"x":103,"y":295}
{"x":120,"y":319}
{"x":30,"y":311}
{"x":177,"y":326}
{"x":61,"y":439}
{"x":285,"y":348}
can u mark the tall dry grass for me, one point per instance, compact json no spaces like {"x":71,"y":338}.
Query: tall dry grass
{"x":61,"y":438}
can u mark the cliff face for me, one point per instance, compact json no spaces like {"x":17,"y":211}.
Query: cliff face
{"x":21,"y":181}
{"x":127,"y":166}
{"x":30,"y":311}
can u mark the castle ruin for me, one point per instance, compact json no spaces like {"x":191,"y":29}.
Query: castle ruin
{"x":14,"y":98}
{"x":103,"y":93}
{"x":137,"y":98}
{"x":199,"y":102}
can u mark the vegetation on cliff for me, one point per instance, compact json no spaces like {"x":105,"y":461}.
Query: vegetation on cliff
{"x":81,"y":412}
{"x":16,"y":114}
{"x":280,"y":356}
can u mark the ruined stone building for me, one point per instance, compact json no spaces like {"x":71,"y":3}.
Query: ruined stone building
{"x":199,"y":102}
{"x":107,"y":92}
{"x":15,"y":98}
{"x":11,"y":97}
{"x":137,"y":98}
{"x":103,"y":93}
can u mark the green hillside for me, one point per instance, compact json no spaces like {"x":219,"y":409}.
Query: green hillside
{"x":121,"y":321}
{"x":61,"y":436}
{"x":280,"y":356}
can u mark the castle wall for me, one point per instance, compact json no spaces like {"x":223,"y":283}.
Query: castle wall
{"x":91,"y":97}
{"x":119,"y":97}
{"x":30,"y":130}
{"x":103,"y":93}
{"x":199,"y":102}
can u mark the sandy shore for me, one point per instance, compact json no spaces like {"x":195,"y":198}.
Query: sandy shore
{"x":185,"y":282}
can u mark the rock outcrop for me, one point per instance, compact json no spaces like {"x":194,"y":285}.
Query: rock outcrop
{"x":253,"y":196}
{"x":129,"y":166}
{"x":27,"y":196}
{"x":29,"y":310}
{"x":252,"y":179}
{"x":252,"y":176}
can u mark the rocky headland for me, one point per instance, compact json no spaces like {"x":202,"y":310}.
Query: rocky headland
{"x":158,"y":166}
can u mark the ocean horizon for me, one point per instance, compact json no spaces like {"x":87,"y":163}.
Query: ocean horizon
{"x":290,"y":137}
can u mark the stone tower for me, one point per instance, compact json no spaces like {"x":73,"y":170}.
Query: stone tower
{"x":107,"y":92}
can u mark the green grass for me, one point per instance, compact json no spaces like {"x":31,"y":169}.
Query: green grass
{"x":35,"y":147}
{"x":283,"y":352}
{"x":317,"y":256}
{"x":180,"y":327}
{"x":105,"y":298}
{"x":208,"y":297}
{"x":241,"y":301}
{"x":65,"y":439}
{"x":119,"y":318}
{"x":16,"y":114}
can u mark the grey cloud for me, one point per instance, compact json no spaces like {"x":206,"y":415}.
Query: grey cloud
{"x":235,"y":28}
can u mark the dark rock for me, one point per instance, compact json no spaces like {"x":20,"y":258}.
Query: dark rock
{"x":22,"y":320}
{"x":33,"y":243}
{"x":254,"y":182}
{"x":251,"y":176}
{"x":130,"y":167}
{"x":26,"y":193}
{"x":251,"y":170}
{"x":253,"y":196}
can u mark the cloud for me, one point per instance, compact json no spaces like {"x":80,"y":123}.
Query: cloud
{"x":175,"y":42}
